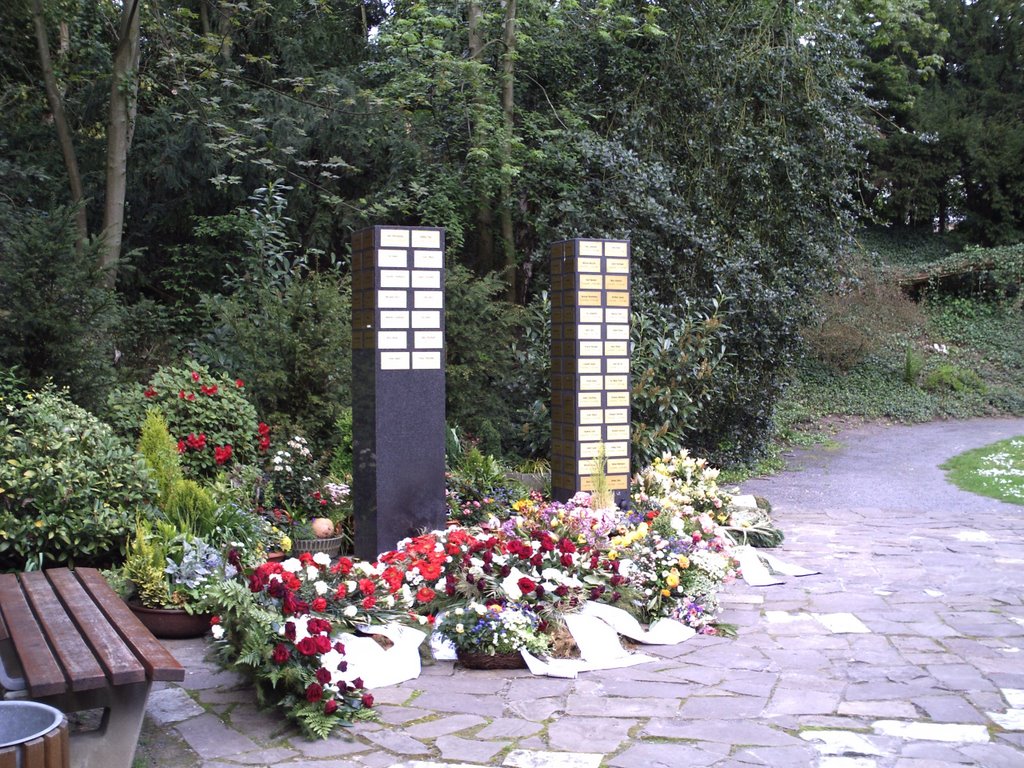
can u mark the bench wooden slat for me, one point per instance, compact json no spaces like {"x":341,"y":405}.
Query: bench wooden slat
{"x":118,"y":660}
{"x":43,"y":674}
{"x":157,"y":660}
{"x":9,"y":757}
{"x":81,"y":669}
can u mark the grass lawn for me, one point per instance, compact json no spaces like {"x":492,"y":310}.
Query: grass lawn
{"x":996,"y":470}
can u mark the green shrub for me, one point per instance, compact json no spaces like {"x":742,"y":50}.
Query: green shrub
{"x":190,"y":509}
{"x":215,"y":427}
{"x":913,"y":363}
{"x":676,"y":363}
{"x":293,"y":346}
{"x":953,"y":378}
{"x":161,"y":453}
{"x":70,"y":489}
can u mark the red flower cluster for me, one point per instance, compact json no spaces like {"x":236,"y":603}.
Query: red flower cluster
{"x":264,"y":434}
{"x":208,"y":390}
{"x":149,"y":392}
{"x":222,"y":453}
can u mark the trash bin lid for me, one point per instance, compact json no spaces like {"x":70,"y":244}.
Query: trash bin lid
{"x":22,"y":721}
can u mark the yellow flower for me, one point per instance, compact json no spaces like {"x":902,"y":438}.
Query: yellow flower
{"x":665,"y":593}
{"x":673,"y":578}
{"x":684,"y":562}
{"x":39,"y":523}
{"x":286,"y":544}
{"x":612,"y":554}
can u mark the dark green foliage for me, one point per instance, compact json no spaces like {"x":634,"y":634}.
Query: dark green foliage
{"x":57,"y":320}
{"x":286,"y":330}
{"x":341,"y":459}
{"x":678,"y":363}
{"x":71,"y":489}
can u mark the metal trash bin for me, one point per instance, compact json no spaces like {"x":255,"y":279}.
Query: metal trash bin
{"x":32,"y":735}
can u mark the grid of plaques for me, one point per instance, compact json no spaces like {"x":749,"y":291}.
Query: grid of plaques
{"x":398,"y":296}
{"x":590,"y":380}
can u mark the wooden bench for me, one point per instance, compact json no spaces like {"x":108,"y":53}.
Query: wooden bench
{"x":68,"y":640}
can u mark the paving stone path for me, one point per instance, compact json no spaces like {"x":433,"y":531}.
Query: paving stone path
{"x":905,"y":652}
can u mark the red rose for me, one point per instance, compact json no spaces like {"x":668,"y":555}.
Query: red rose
{"x":314,"y":692}
{"x":319,"y":605}
{"x":357,"y":683}
{"x":526,"y":585}
{"x":215,"y":620}
{"x":366,"y":586}
{"x":367,"y":700}
{"x":369,"y":602}
{"x":323,"y":643}
{"x":425,"y":594}
{"x":330,"y":707}
{"x":281,"y":653}
{"x":566,"y":560}
{"x":307,"y":646}
{"x":341,"y":592}
{"x":323,"y":676}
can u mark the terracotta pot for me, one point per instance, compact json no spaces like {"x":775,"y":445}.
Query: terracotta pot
{"x":171,"y":623}
{"x":276,"y":557}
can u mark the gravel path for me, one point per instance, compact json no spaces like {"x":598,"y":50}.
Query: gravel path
{"x":904,"y":652}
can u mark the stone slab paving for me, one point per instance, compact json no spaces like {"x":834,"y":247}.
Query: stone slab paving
{"x":907,"y":651}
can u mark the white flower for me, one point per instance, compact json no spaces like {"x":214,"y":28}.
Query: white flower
{"x":349,"y":612}
{"x":217,"y":631}
{"x":322,"y":558}
{"x":312,"y":572}
{"x":320,"y":587}
{"x":292,"y":565}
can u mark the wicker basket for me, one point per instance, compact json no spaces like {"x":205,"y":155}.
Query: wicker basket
{"x":332,"y":545}
{"x":474,"y":660}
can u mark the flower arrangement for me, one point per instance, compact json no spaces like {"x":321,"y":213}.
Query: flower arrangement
{"x":498,"y":587}
{"x":497,"y":627}
{"x":279,"y":632}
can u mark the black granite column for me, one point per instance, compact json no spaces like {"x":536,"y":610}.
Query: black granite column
{"x":398,"y":423}
{"x":590,"y":301}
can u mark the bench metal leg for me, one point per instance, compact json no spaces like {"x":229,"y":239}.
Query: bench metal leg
{"x":113,"y":744}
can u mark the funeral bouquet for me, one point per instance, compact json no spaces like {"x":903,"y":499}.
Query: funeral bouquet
{"x":496,"y":627}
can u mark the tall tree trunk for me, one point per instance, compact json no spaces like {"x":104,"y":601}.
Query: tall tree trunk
{"x":60,"y":123}
{"x":120,"y":128}
{"x":484,"y":209}
{"x":508,"y":242}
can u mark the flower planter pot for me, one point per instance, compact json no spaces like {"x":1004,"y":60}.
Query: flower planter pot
{"x":171,"y":623}
{"x":474,"y":660}
{"x":276,"y":557}
{"x":332,"y":545}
